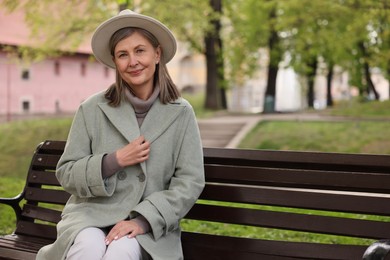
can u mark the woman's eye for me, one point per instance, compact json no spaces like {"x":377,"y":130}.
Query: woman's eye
{"x":121,"y":55}
{"x":139,"y":51}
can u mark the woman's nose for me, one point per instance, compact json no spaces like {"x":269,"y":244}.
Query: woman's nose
{"x":133,"y":61}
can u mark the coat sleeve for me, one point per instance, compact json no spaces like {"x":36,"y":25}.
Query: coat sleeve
{"x":165,"y":209}
{"x":79,"y":170}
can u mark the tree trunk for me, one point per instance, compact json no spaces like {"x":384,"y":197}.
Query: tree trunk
{"x":214,"y":62}
{"x":275,"y":57}
{"x":388,"y":74}
{"x":217,"y":6}
{"x":311,"y":79}
{"x":212,"y":95}
{"x":270,"y":92}
{"x":370,"y":83}
{"x":367,"y":75}
{"x":329,"y":77}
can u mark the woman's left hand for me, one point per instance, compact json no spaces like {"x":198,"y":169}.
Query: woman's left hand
{"x":123,"y":228}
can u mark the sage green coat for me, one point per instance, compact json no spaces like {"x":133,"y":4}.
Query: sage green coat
{"x":162,"y":189}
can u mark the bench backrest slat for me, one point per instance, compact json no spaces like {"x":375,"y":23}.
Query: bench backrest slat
{"x":43,"y":214}
{"x":46,"y":195}
{"x":36,"y":230}
{"x":45,"y":161}
{"x":300,"y":178}
{"x":291,"y":221}
{"x":43,"y":178}
{"x":298,"y":160}
{"x":298,"y":198}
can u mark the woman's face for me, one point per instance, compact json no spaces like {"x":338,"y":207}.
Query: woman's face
{"x":135,"y":59}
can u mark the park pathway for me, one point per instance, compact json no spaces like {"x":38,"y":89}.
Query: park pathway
{"x":226,"y":131}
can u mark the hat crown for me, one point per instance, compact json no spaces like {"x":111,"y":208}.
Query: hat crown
{"x":126,"y":12}
{"x":128,"y":18}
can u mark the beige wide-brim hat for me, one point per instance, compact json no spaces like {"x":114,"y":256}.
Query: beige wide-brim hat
{"x":127,"y":18}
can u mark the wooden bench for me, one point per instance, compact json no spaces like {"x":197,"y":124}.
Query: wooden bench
{"x":276,"y":190}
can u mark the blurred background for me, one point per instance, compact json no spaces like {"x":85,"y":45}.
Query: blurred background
{"x":257,"y":56}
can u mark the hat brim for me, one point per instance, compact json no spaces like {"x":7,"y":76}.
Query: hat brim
{"x":101,"y":37}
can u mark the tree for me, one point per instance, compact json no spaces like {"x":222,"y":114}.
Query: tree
{"x":215,"y":89}
{"x":381,"y":36}
{"x":313,"y":38}
{"x":369,"y":35}
{"x":254,"y":25}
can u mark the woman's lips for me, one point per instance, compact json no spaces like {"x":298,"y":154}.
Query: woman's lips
{"x":135,"y":72}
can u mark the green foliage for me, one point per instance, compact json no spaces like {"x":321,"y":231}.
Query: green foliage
{"x":19,"y":138}
{"x":59,"y":26}
{"x":190,"y":22}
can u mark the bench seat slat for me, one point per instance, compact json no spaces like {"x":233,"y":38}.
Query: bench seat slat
{"x":21,"y":247}
{"x":290,"y":221}
{"x":315,"y":179}
{"x":195,"y":244}
{"x":47,"y":195}
{"x":16,"y":253}
{"x":364,"y":204}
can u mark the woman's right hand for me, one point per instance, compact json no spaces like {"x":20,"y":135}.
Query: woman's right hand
{"x":135,"y":152}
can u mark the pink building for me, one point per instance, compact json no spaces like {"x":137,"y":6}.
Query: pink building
{"x":51,"y":86}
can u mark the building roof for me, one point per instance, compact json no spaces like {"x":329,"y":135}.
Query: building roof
{"x":15,"y":32}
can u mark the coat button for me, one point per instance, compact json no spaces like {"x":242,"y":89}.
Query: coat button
{"x":141,"y":177}
{"x":121,"y":175}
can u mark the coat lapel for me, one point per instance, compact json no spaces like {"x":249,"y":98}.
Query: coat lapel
{"x":159,"y":118}
{"x":123,"y":118}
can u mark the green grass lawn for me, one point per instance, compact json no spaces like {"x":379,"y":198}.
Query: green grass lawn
{"x":347,"y":137}
{"x":18,"y":139}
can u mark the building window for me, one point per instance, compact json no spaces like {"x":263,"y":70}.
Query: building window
{"x":26,"y":106}
{"x":25,"y":74}
{"x":83,"y":69}
{"x":57,"y":68}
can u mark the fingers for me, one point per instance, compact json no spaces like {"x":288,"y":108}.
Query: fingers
{"x":135,"y":152}
{"x":121,"y":229}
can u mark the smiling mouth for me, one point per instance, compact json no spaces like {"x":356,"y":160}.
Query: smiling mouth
{"x":135,"y":72}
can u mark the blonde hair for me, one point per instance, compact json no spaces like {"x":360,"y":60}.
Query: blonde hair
{"x":162,"y":79}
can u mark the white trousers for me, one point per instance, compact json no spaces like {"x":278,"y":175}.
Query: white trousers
{"x":90,"y":245}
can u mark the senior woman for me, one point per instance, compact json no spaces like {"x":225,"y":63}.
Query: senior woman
{"x":133,"y":161}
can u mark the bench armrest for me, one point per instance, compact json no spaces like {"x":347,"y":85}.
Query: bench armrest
{"x":14,"y":203}
{"x":377,"y":250}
